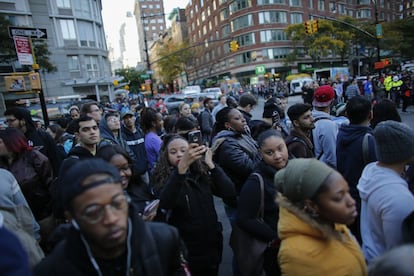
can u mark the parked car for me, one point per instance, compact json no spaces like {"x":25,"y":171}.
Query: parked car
{"x":192,"y":89}
{"x":173,"y":101}
{"x":213,"y":93}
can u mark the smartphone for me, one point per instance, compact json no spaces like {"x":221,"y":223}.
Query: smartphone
{"x":195,"y":137}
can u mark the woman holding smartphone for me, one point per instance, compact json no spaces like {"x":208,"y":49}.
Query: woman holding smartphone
{"x":185,"y":178}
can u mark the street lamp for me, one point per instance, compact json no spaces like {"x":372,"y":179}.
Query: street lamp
{"x":378,"y":30}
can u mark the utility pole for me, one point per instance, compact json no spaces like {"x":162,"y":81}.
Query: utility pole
{"x":378,"y":30}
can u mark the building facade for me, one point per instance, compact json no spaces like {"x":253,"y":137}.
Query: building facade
{"x":150,"y":21}
{"x":259,"y":28}
{"x":76,"y":40}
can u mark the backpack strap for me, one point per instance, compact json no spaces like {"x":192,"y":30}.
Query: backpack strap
{"x":260,"y":213}
{"x":365,"y":148}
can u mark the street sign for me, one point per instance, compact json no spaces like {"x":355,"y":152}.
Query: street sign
{"x":144,"y":76}
{"x":260,"y":70}
{"x":28,"y":32}
{"x":23,"y":50}
{"x":150,"y":72}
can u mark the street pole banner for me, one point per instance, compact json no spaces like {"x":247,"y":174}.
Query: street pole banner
{"x":23,"y":50}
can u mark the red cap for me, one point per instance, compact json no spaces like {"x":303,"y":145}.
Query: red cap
{"x":323,"y":96}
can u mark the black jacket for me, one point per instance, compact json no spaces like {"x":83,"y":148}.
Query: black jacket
{"x":190,"y":200}
{"x":155,"y":250}
{"x":135,"y":141}
{"x":249,"y":205}
{"x":237,"y":154}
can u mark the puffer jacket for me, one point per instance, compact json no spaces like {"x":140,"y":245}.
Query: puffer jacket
{"x":310,"y":248}
{"x":238,"y":155}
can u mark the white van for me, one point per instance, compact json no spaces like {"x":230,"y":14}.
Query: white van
{"x":297,"y":84}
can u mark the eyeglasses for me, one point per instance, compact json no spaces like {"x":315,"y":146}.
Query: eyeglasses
{"x":95,"y":213}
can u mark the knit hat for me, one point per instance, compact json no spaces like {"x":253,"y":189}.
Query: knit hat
{"x":301,"y":178}
{"x":323,"y":96}
{"x":72,"y":180}
{"x":195,"y":105}
{"x":394,"y":142}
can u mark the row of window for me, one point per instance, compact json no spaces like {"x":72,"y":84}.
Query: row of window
{"x":81,"y":8}
{"x":86,"y":33}
{"x":91,"y":66}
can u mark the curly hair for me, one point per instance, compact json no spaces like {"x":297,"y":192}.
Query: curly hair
{"x":148,"y":117}
{"x":163,"y":168}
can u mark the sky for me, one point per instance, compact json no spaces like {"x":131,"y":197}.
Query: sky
{"x":114,"y":15}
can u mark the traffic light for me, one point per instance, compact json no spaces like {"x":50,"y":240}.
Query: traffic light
{"x":308,"y":27}
{"x":234,"y":46}
{"x":315,"y":26}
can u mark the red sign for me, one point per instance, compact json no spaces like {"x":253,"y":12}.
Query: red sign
{"x":23,"y":50}
{"x":379,"y":65}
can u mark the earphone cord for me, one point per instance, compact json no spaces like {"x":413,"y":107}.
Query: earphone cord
{"x":92,"y":259}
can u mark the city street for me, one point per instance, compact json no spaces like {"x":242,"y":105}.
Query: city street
{"x":226,"y":267}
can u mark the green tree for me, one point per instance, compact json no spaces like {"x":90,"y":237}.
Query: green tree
{"x":329,"y":40}
{"x":8,"y":52}
{"x":398,"y":37}
{"x":132,"y":77}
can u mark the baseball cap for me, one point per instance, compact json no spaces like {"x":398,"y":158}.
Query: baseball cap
{"x":323,"y":96}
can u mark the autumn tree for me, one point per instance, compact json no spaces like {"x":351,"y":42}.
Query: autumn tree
{"x":174,"y":59}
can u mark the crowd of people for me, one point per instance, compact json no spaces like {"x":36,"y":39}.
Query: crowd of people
{"x":130,"y":190}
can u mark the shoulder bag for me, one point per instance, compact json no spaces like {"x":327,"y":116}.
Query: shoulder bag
{"x":249,"y":251}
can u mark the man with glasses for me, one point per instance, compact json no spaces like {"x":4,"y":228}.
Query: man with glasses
{"x":107,"y":236}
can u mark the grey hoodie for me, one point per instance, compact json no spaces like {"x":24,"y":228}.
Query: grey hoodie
{"x":385,"y":202}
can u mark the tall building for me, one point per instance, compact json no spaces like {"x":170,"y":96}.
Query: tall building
{"x":149,"y":15}
{"x":76,"y":40}
{"x":258,"y":27}
{"x":408,"y":8}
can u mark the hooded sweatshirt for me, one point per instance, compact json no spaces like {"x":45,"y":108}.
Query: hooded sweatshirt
{"x":108,"y":137}
{"x":386,"y":202}
{"x":324,"y":138}
{"x":349,"y":153}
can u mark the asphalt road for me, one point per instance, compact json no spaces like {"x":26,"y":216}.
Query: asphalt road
{"x":226,"y":267}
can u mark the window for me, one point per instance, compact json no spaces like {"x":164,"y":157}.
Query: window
{"x":310,"y":4}
{"x":242,"y":22}
{"x":275,"y":53}
{"x":268,"y":2}
{"x":239,"y":5}
{"x":225,"y":31}
{"x":296,"y":18}
{"x":92,"y":66}
{"x":272,"y":17}
{"x":246,"y":39}
{"x":295,"y":3}
{"x":364,"y":2}
{"x":82,"y":8}
{"x":364,"y":13}
{"x":321,"y":5}
{"x":243,"y":58}
{"x":68,"y":29}
{"x":63,"y":4}
{"x":73,"y":63}
{"x":86,"y":34}
{"x":224,"y":14}
{"x":341,"y":8}
{"x":272,"y":35}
